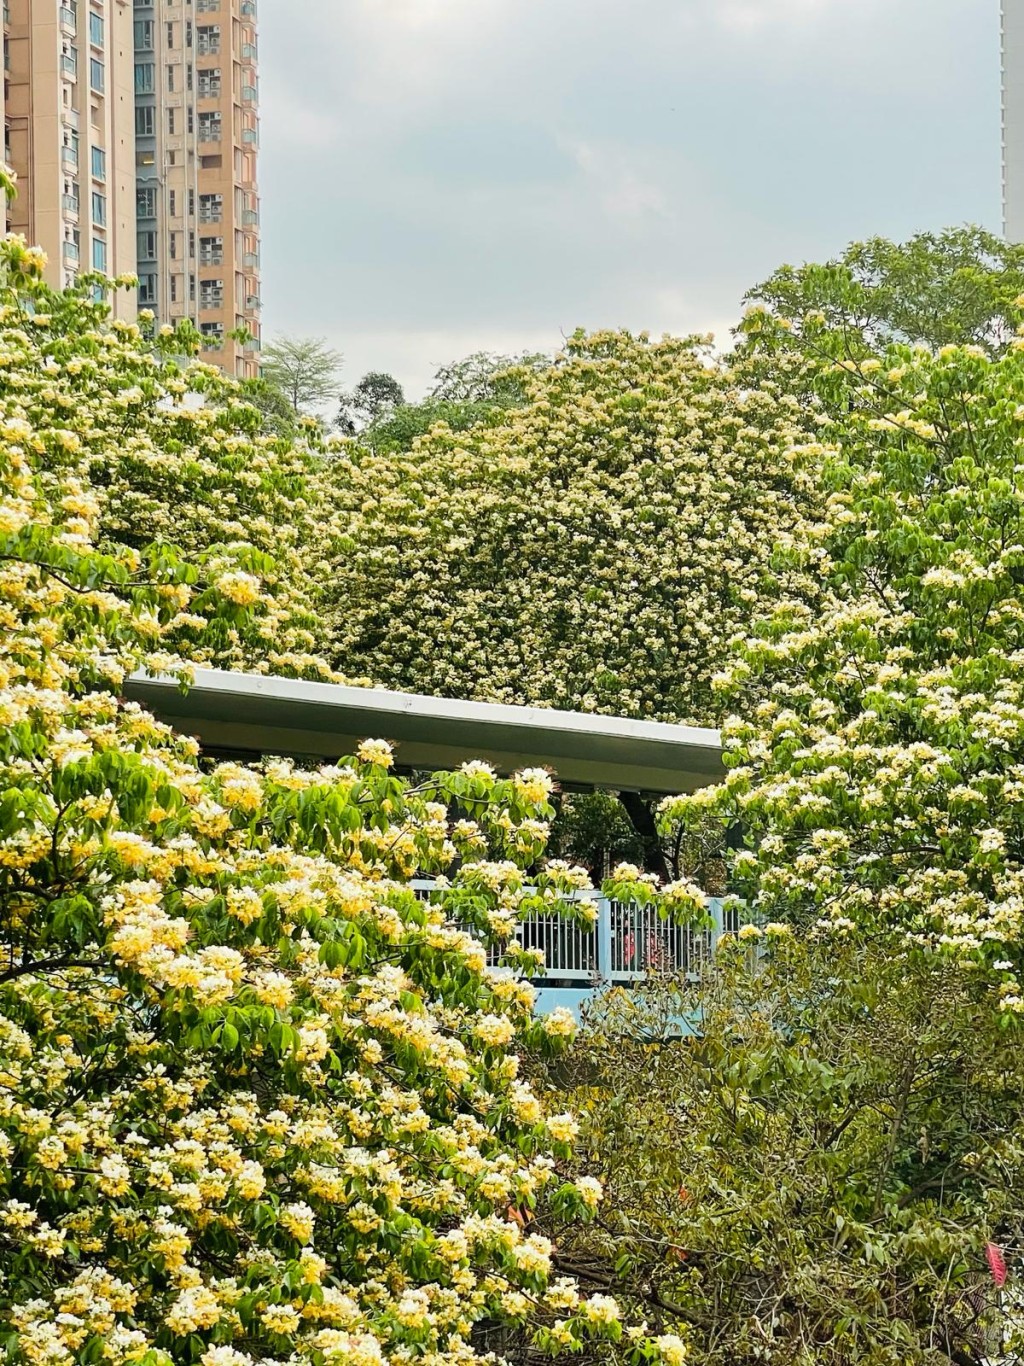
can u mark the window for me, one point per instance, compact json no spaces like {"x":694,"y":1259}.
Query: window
{"x":172,"y":203}
{"x":190,"y":119}
{"x":147,"y":289}
{"x":146,"y":246}
{"x":96,"y":75}
{"x":211,"y":293}
{"x":213,"y":334}
{"x":145,"y":202}
{"x":170,"y":121}
{"x":211,"y":208}
{"x":209,"y":83}
{"x":191,"y":246}
{"x":145,"y":78}
{"x":210,"y":126}
{"x":172,"y":240}
{"x":191,"y":203}
{"x":99,"y":164}
{"x":174,"y":289}
{"x":95,"y":29}
{"x":99,"y":208}
{"x":211,"y":251}
{"x":144,"y":31}
{"x":170,"y":78}
{"x":208,"y":40}
{"x":211,"y":163}
{"x":170,"y":37}
{"x":145,"y":120}
{"x":99,"y":253}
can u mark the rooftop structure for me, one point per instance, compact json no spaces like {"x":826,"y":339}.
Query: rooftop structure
{"x":253,"y":714}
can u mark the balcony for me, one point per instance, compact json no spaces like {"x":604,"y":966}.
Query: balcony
{"x":249,"y":8}
{"x":70,"y":117}
{"x":251,"y":259}
{"x":250,"y":136}
{"x":7,"y":15}
{"x":68,"y":21}
{"x":623,"y":946}
{"x":249,"y":94}
{"x":69,"y":158}
{"x":70,"y":204}
{"x":250,"y":217}
{"x":70,"y":251}
{"x":69,"y":66}
{"x":249,"y":52}
{"x":253,"y":302}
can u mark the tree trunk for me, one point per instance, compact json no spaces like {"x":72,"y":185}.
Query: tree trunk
{"x":642,"y":818}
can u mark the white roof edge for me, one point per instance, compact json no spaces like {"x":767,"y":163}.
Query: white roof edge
{"x":331,"y":695}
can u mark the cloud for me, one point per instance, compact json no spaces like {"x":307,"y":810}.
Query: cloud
{"x":441,"y":175}
{"x":754,"y":16}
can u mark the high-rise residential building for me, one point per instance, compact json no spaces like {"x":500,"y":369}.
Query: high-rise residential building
{"x":69,"y":134}
{"x":197,"y":200}
{"x":1013,"y":118}
{"x":133,"y":128}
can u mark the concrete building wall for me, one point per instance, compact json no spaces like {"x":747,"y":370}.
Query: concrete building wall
{"x":197,"y":135}
{"x":1013,"y":118}
{"x":68,"y":118}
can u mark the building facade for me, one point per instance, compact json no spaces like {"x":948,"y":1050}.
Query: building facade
{"x":1012,"y":13}
{"x":197,"y":201}
{"x":133,"y":128}
{"x":69,"y":135}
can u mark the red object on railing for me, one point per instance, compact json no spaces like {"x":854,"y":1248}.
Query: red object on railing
{"x":996,"y":1264}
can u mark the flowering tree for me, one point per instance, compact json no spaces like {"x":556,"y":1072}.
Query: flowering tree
{"x":958,"y":287}
{"x":827,"y":1171}
{"x":875,"y":754}
{"x":594,"y":548}
{"x":171,"y":450}
{"x":258,"y":1099}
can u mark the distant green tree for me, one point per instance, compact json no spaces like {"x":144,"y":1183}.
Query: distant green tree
{"x":305,"y":369}
{"x":957,"y":287}
{"x":486,"y":377}
{"x":374,"y":399}
{"x":273,"y":403}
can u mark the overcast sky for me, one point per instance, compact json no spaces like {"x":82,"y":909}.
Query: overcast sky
{"x":445,"y":176}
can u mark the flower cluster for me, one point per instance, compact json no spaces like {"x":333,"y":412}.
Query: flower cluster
{"x":875,"y":752}
{"x":259,"y":1099}
{"x":594,"y":549}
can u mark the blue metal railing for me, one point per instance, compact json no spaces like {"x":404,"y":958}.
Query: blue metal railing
{"x":625,"y":945}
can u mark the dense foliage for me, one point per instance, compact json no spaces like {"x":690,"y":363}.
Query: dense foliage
{"x":875,"y":753}
{"x":959,"y":287}
{"x":594,"y":548}
{"x":172,"y":452}
{"x":818,"y":1176}
{"x":258,"y":1101}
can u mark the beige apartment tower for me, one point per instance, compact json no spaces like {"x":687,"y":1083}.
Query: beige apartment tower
{"x":69,"y":135}
{"x":133,"y":128}
{"x":197,"y":202}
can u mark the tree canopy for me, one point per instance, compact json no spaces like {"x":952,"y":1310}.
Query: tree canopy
{"x":958,"y":287}
{"x":261,"y":1101}
{"x":306,"y":369}
{"x":820,"y":1170}
{"x":619,"y":525}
